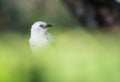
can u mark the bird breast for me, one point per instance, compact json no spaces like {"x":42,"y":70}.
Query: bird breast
{"x":39,"y":41}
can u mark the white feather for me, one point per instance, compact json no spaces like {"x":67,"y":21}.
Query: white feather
{"x":39,"y":37}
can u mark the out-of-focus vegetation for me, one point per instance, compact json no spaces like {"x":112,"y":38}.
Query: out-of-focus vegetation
{"x":20,"y":15}
{"x":77,"y":56}
{"x":95,"y":13}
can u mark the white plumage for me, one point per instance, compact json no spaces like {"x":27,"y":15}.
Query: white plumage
{"x":40,"y":37}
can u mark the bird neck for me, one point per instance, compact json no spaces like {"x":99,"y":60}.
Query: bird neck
{"x":37,"y":33}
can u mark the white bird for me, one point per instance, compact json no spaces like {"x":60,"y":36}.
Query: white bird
{"x":40,"y":37}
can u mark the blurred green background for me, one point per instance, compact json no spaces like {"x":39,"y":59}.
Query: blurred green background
{"x":19,"y":15}
{"x":79,"y":55}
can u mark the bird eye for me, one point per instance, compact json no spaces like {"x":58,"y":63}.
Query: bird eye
{"x":41,"y":25}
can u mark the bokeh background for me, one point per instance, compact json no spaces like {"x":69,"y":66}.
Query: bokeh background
{"x":79,"y":55}
{"x":19,"y":15}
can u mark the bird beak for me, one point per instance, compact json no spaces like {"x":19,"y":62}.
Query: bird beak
{"x":49,"y":25}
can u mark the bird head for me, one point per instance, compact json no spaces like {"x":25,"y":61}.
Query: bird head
{"x":40,"y":26}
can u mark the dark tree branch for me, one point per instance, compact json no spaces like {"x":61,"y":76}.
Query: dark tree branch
{"x":95,"y":13}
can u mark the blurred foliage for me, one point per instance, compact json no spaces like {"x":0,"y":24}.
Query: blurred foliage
{"x":78,"y":56}
{"x":20,"y":15}
{"x":9,"y":17}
